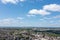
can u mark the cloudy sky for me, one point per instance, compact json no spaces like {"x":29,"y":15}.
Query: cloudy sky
{"x":34,"y":13}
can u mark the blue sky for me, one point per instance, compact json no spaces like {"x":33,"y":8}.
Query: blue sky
{"x":34,"y":13}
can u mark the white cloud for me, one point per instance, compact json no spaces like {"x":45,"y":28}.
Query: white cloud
{"x":22,"y":0}
{"x":41,"y":12}
{"x":42,"y":19}
{"x":30,"y":15}
{"x":9,"y":1}
{"x":45,"y":10}
{"x":52,"y":7}
{"x":47,"y":18}
{"x":10,"y":22}
{"x":34,"y":11}
{"x":12,"y":1}
{"x":57,"y":16}
{"x":20,"y":18}
{"x":53,"y":17}
{"x":55,"y":25}
{"x":6,"y":22}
